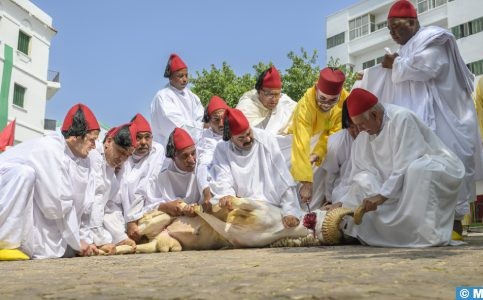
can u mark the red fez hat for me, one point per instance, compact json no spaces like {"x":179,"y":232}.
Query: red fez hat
{"x":91,"y":121}
{"x":215,"y":104}
{"x":359,"y":101}
{"x":402,"y":9}
{"x":132,"y":131}
{"x":182,"y":139}
{"x":272,"y":79}
{"x":330,"y":81}
{"x":237,"y":122}
{"x":176,"y":63}
{"x":142,"y":125}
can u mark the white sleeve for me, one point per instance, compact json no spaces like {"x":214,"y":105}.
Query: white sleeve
{"x":290,"y":203}
{"x":423,"y":66}
{"x":223,"y":182}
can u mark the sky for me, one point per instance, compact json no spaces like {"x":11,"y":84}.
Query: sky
{"x":111,"y":54}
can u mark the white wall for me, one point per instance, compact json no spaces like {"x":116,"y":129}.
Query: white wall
{"x":31,"y":70}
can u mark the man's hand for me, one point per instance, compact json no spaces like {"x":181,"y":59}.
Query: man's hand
{"x":110,"y":249}
{"x":290,"y":221}
{"x":226,"y":202}
{"x":133,"y":231}
{"x":128,"y":242}
{"x":371,"y":203}
{"x":314,"y":158}
{"x":172,"y":208}
{"x":388,"y":60}
{"x":87,"y":249}
{"x":329,"y":206}
{"x":189,"y":211}
{"x":207,"y":207}
{"x":305,"y":191}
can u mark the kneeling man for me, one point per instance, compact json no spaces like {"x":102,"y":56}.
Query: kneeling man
{"x":175,"y":184}
{"x":250,"y":165}
{"x":404,"y":173}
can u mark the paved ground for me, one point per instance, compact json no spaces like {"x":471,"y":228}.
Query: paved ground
{"x":342,"y":272}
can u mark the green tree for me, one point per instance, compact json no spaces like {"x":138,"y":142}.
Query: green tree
{"x":301,"y":75}
{"x":222,"y":82}
{"x":350,"y":75}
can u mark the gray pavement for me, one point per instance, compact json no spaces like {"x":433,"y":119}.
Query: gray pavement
{"x":340,"y":272}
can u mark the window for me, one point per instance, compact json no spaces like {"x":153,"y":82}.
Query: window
{"x":381,"y":25}
{"x":336,"y":40}
{"x":425,"y":5}
{"x":23,"y":42}
{"x":477,"y":25}
{"x":476,"y":67}
{"x":379,"y":59}
{"x":18,"y":95}
{"x":368,"y":64}
{"x":361,"y":26}
{"x":467,"y":29}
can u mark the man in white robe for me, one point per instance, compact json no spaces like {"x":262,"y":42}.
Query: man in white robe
{"x":430,"y":78}
{"x":176,"y":183}
{"x":105,"y":220}
{"x":43,"y":187}
{"x":249,"y":164}
{"x":175,"y":105}
{"x":266,"y":107}
{"x":206,"y":147}
{"x":403,"y":177}
{"x":146,"y":159}
{"x":337,"y":163}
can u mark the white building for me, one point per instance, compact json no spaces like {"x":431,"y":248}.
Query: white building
{"x":358,"y":34}
{"x":26,"y":82}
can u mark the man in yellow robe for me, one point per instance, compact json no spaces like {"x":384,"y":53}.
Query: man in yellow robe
{"x":479,"y":104}
{"x":317,"y":115}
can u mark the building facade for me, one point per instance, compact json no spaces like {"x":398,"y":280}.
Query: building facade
{"x":26,"y":82}
{"x":357,"y":35}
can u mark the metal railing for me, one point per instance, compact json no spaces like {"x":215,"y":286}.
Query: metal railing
{"x":53,"y":76}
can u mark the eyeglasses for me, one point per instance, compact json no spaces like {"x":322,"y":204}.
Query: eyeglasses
{"x":270,"y":94}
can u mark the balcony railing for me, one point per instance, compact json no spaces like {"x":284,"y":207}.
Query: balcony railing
{"x":53,"y":76}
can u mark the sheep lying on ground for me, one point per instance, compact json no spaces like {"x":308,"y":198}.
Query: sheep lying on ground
{"x":250,"y":224}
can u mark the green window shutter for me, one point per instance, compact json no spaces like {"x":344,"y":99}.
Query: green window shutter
{"x":18,"y":95}
{"x":23,"y":42}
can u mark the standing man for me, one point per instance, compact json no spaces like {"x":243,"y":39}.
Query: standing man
{"x":250,"y":165}
{"x":175,"y":105}
{"x":214,"y":114}
{"x":146,"y":159}
{"x":431,"y":79}
{"x":403,"y":173}
{"x":43,"y":183}
{"x":266,"y":107}
{"x":317,"y":115}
